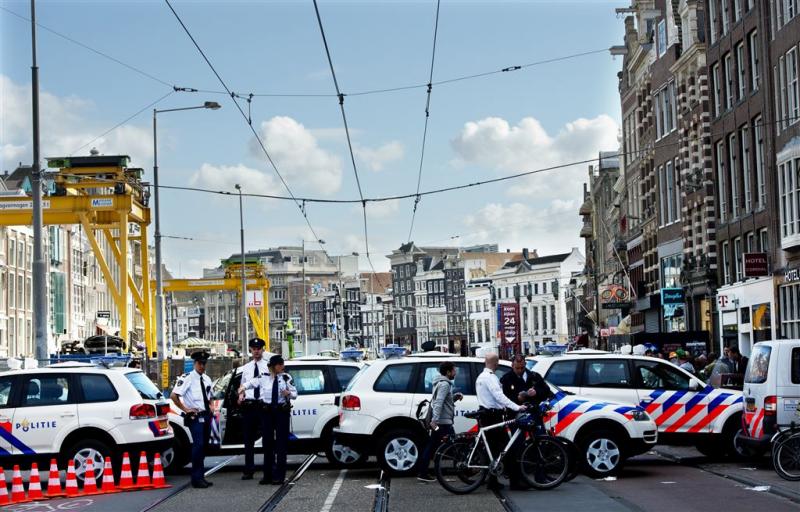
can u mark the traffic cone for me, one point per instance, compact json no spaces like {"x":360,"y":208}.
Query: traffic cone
{"x":126,"y":476}
{"x":143,"y":476}
{"x":158,"y":474}
{"x":34,"y":484}
{"x":17,"y":489}
{"x":54,"y":481}
{"x":4,"y":498}
{"x":89,"y":481}
{"x":108,"y":478}
{"x":72,"y":480}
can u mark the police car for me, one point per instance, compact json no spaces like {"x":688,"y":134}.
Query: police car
{"x":686,"y":409}
{"x":377,"y":414}
{"x":79,"y":411}
{"x":318,"y":381}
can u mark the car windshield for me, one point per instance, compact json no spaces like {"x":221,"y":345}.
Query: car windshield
{"x":356,"y":377}
{"x":144,"y":386}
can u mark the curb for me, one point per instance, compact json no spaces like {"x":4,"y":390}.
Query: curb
{"x":776,"y":490}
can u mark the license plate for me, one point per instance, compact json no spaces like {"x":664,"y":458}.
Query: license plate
{"x":750,"y":406}
{"x":163,"y":424}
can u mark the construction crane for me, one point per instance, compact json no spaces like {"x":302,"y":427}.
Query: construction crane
{"x":256,"y":280}
{"x":109,"y":199}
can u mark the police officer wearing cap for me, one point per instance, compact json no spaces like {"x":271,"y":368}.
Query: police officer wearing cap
{"x":254,"y":415}
{"x":192,"y":395}
{"x":277,"y":392}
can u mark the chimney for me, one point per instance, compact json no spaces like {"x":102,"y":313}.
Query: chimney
{"x":525,"y":253}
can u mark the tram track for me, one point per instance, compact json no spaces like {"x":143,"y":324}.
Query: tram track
{"x":274,"y":500}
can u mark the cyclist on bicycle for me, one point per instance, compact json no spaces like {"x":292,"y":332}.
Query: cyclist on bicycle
{"x":493,"y":403}
{"x":443,"y":412}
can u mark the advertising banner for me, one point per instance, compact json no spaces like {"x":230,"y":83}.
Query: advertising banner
{"x":614,"y":296}
{"x":508,"y":320}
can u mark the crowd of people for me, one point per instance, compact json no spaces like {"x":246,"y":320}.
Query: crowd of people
{"x":708,"y":366}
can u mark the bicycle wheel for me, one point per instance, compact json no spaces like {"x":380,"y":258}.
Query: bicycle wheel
{"x":786,"y":457}
{"x":452,"y":466}
{"x":544,"y":463}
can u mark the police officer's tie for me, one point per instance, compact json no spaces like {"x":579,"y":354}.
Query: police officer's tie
{"x":275,"y":391}
{"x":205,"y":395}
{"x":257,"y":390}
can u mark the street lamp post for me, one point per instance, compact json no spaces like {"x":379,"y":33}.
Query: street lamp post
{"x":213,"y":105}
{"x":243,"y":328}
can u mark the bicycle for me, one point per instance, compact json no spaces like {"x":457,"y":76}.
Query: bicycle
{"x":464,"y":462}
{"x":786,"y":452}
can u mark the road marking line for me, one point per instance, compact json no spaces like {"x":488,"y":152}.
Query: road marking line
{"x":326,"y":507}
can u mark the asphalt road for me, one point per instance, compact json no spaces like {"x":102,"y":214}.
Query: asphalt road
{"x":667,"y":479}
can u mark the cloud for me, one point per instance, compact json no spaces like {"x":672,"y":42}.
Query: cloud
{"x":492,"y":142}
{"x":551,"y":229}
{"x":376,"y":158}
{"x":299,"y":158}
{"x":224,"y":177}
{"x":65,"y":126}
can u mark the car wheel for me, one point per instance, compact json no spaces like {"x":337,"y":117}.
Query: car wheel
{"x":83,"y":451}
{"x":601,"y":453}
{"x":341,"y":455}
{"x":399,"y":452}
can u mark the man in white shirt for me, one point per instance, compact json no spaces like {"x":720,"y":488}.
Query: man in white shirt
{"x":493,"y":404}
{"x":192,"y":394}
{"x":254,"y":415}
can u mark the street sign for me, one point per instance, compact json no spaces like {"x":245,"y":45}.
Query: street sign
{"x":164,"y":374}
{"x":508,"y":316}
{"x":104,"y":314}
{"x":755,"y":264}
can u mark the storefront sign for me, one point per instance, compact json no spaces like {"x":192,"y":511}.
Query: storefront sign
{"x":792,"y":275}
{"x":755,"y":264}
{"x":615,"y":297}
{"x":672,"y":296}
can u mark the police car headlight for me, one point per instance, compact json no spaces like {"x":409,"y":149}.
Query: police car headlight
{"x":640,"y":415}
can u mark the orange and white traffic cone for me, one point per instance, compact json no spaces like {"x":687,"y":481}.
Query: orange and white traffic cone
{"x":108,"y":478}
{"x":126,"y":476}
{"x":143,"y":476}
{"x":35,"y":484}
{"x":17,"y":489}
{"x":4,"y":498}
{"x":72,"y":480}
{"x":158,"y":474}
{"x":54,"y":481}
{"x":89,"y":481}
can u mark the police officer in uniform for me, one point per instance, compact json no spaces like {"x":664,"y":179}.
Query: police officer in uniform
{"x":192,"y":395}
{"x":277,"y":392}
{"x":254,"y":414}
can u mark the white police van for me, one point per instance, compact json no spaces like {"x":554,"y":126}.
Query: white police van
{"x":80,"y":411}
{"x":686,"y":409}
{"x":771,"y":392}
{"x":377,"y":414}
{"x":318,"y":380}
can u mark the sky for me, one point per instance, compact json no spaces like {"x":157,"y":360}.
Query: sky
{"x":480,"y":128}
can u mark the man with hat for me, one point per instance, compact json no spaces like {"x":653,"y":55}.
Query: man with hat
{"x":254,"y":416}
{"x":277,"y":392}
{"x":192,"y":395}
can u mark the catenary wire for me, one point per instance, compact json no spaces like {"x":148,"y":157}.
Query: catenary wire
{"x":125,"y":121}
{"x":301,"y":206}
{"x":427,"y":118}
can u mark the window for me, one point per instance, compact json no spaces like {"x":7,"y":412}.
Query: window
{"x":653,"y":375}
{"x":789,"y":197}
{"x":758,"y":367}
{"x":755,"y":79}
{"x":728,"y":67}
{"x":97,"y":388}
{"x":763,"y":240}
{"x":343,"y":375}
{"x":11,"y":287}
{"x":144,"y":386}
{"x":45,"y":390}
{"x":792,"y":87}
{"x":726,"y":16}
{"x":717,"y":86}
{"x":744,"y":140}
{"x":11,"y":254}
{"x":662,"y":37}
{"x":732,"y":169}
{"x":308,"y":381}
{"x":429,"y":372}
{"x":726,"y":263}
{"x":795,"y":365}
{"x":750,"y":242}
{"x":737,"y":254}
{"x":761,"y":186}
{"x":395,"y":378}
{"x":741,"y":72}
{"x":563,"y":373}
{"x":536,"y":319}
{"x":722,"y":180}
{"x":668,"y":193}
{"x":5,"y":390}
{"x":671,"y":271}
{"x":737,"y":10}
{"x":553,"y":317}
{"x":712,"y":18}
{"x":607,"y":373}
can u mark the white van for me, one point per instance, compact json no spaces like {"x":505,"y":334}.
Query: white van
{"x":771,"y":392}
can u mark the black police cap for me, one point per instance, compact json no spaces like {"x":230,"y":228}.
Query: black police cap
{"x":276,"y":359}
{"x":201,"y":356}
{"x":256,"y":343}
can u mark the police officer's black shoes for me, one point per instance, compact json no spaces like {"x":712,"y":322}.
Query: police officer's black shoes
{"x":278,"y":482}
{"x":247,"y":476}
{"x":264,"y":481}
{"x":202,"y":484}
{"x":208,"y":484}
